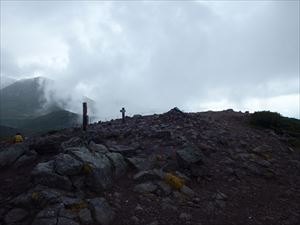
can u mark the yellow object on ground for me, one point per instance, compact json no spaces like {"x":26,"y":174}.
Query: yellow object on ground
{"x":174,"y":181}
{"x":18,"y":138}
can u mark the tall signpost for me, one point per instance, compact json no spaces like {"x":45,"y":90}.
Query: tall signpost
{"x":85,"y":116}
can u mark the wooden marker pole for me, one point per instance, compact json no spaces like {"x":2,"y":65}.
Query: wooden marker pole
{"x":85,"y":117}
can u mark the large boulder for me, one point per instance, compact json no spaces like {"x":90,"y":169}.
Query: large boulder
{"x":96,"y":166}
{"x":98,"y":147}
{"x":140,"y":163}
{"x":188,"y":157}
{"x":67,"y":165}
{"x":118,"y":162}
{"x":48,"y":215}
{"x":9,"y":155}
{"x":26,"y":159}
{"x":73,"y":142}
{"x":44,"y":174}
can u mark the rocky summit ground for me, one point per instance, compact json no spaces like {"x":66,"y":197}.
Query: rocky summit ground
{"x":208,"y":168}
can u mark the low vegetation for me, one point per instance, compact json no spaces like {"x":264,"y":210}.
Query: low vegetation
{"x":174,"y":181}
{"x":279,"y":124}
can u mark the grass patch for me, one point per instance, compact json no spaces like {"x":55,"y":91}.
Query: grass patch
{"x":174,"y":181}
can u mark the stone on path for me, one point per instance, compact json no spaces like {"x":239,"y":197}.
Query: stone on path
{"x":102,"y":211}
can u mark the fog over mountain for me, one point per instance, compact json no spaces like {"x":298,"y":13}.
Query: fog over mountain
{"x":151,"y":56}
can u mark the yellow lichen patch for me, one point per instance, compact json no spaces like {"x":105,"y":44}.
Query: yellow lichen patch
{"x":35,"y":196}
{"x":150,"y":195}
{"x":158,"y":157}
{"x":268,"y":174}
{"x":174,"y":181}
{"x":86,"y":168}
{"x":75,"y":207}
{"x":267,"y":156}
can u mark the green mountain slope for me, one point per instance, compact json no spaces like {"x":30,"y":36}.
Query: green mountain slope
{"x":52,"y":121}
{"x":24,"y":99}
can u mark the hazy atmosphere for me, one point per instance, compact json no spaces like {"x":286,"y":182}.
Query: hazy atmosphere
{"x":154,"y":55}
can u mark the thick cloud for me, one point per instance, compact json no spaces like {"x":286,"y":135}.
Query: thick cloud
{"x":150,"y":56}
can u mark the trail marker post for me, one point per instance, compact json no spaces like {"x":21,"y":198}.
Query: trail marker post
{"x":85,"y":116}
{"x":123,"y":114}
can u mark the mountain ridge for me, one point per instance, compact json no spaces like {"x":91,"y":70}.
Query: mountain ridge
{"x":24,"y":107}
{"x":172,"y":168}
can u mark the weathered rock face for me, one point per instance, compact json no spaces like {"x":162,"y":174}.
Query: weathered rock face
{"x":139,"y":163}
{"x":98,"y":147}
{"x":94,"y":170}
{"x":101,"y":175}
{"x":102,"y":211}
{"x":26,"y":159}
{"x":10,"y":155}
{"x":188,"y":157}
{"x":66,"y":165}
{"x":127,"y":151}
{"x":73,"y":142}
{"x":97,"y":167}
{"x":44,"y":174}
{"x":118,"y":163}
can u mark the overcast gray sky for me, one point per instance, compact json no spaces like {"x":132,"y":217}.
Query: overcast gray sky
{"x":153,"y":55}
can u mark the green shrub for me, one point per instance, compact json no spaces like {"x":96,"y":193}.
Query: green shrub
{"x":278,"y":123}
{"x":267,"y":119}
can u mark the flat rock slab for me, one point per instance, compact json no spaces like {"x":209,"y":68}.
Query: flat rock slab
{"x":119,"y":164}
{"x":67,"y":165}
{"x":98,"y":147}
{"x":139,"y":163}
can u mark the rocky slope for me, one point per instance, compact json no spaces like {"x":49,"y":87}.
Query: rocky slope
{"x":175,"y":168}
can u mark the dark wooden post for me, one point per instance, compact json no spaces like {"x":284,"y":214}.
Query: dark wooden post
{"x":85,"y":116}
{"x":123,"y":114}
